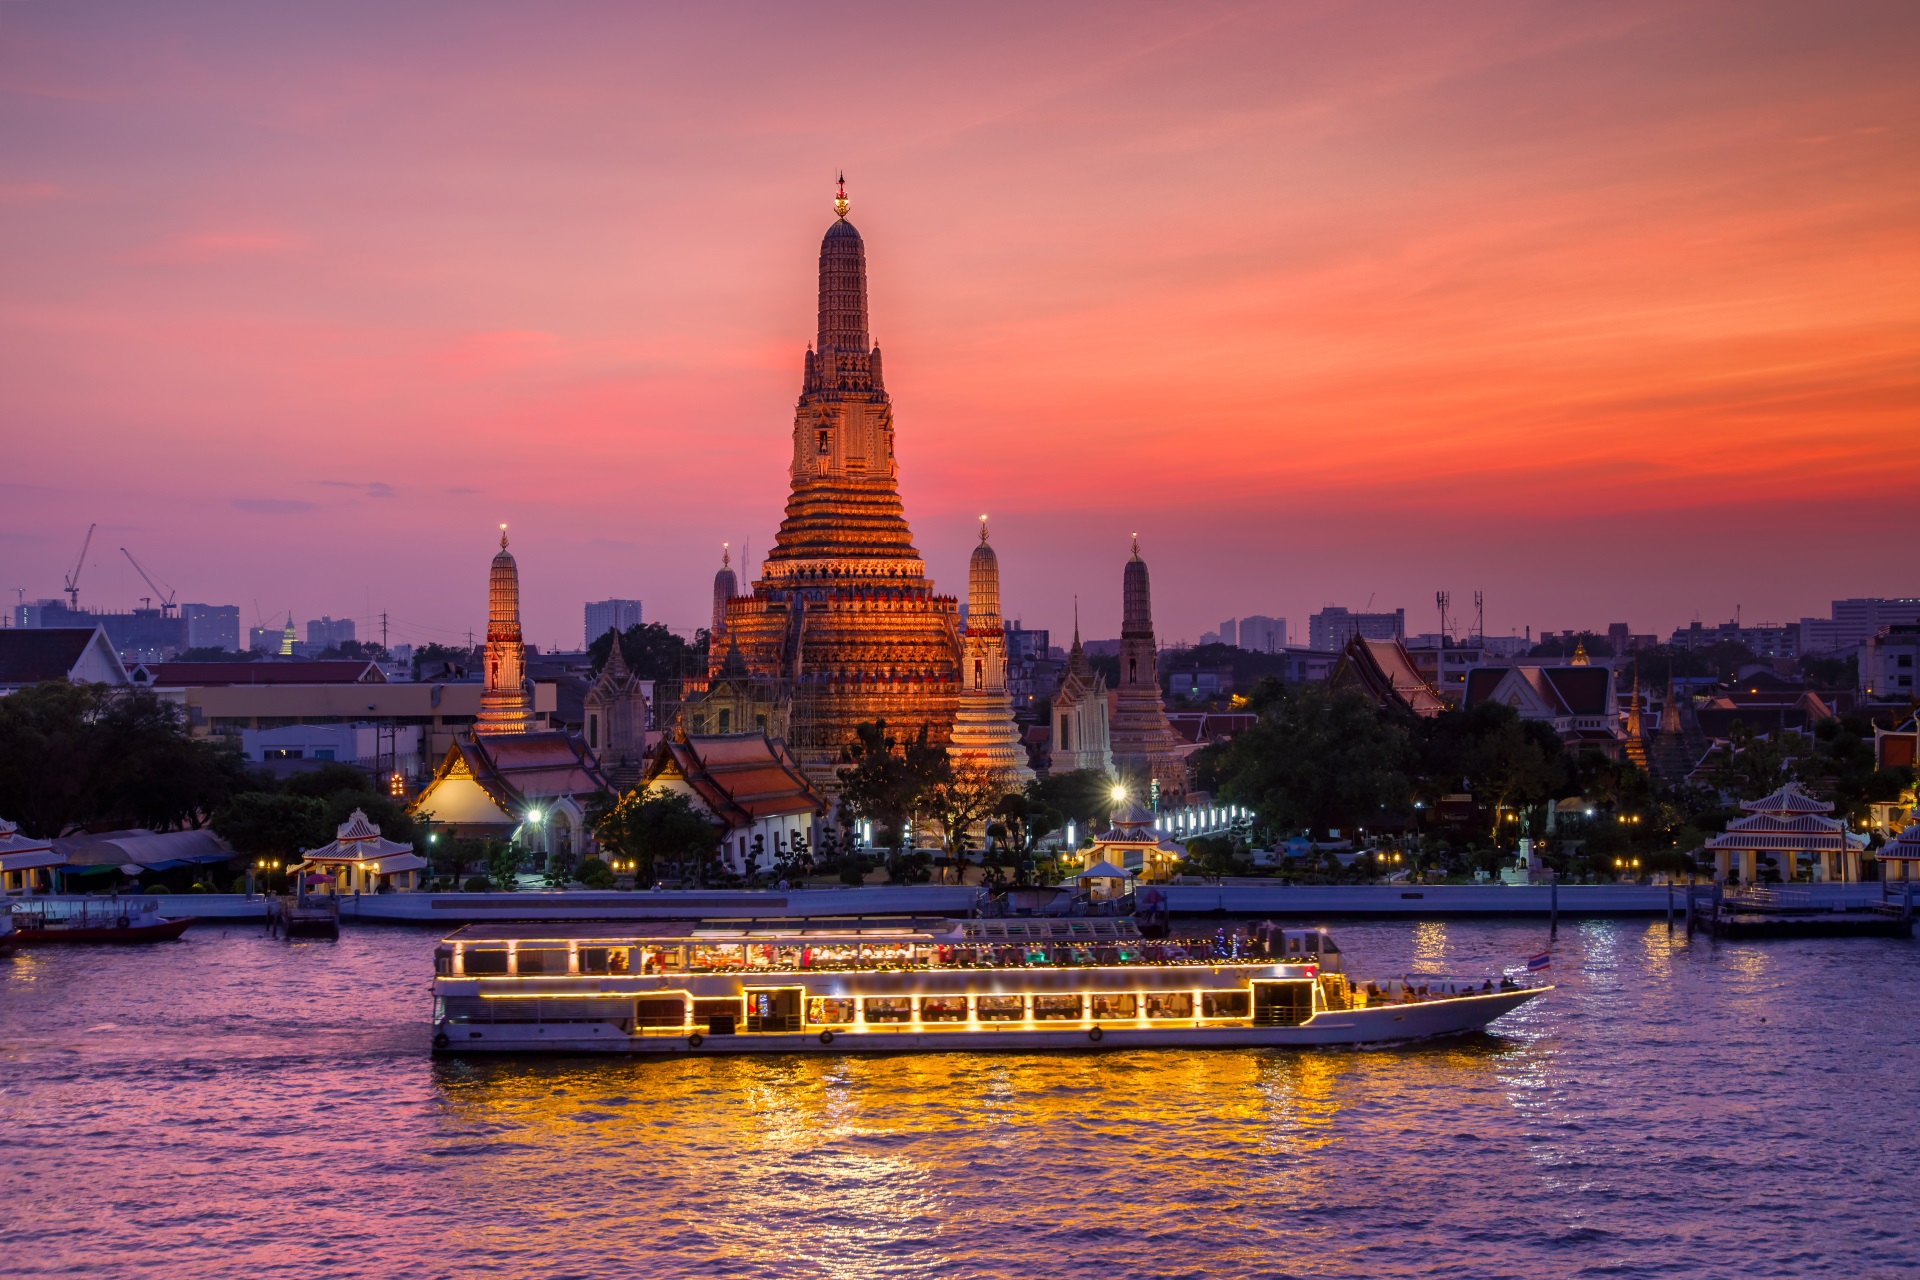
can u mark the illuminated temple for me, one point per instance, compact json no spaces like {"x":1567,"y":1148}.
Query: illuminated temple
{"x":842,"y":625}
{"x":984,"y":732}
{"x":506,"y":704}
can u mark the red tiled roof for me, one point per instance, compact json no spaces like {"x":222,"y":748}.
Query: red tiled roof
{"x":741,"y":777}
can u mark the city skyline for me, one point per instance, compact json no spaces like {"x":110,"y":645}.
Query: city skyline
{"x":1306,"y":300}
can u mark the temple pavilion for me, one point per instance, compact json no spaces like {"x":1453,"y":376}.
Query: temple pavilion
{"x":26,"y":865}
{"x":1131,"y":844}
{"x":1900,"y":856}
{"x":1781,"y":827}
{"x":361,"y":860}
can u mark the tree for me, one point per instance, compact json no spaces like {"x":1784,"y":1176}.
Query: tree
{"x":653,"y":651}
{"x":657,"y":829}
{"x":961,"y":801}
{"x":1317,"y":759}
{"x":595,"y":874}
{"x":503,"y":865}
{"x":1081,"y":796}
{"x":430,"y":660}
{"x":355,"y":651}
{"x":890,"y":783}
{"x":260,"y":824}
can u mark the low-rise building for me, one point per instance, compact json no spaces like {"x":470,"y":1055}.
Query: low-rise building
{"x":1888,"y":662}
{"x":361,"y":860}
{"x":82,"y":655}
{"x":535,"y":788}
{"x":1578,"y":701}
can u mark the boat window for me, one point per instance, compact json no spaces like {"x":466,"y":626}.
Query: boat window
{"x":1001,"y":1008}
{"x":484,"y":960}
{"x":1225,"y":1004}
{"x":704,"y":1011}
{"x":1326,"y":945}
{"x":1169,"y":1004}
{"x":1056,"y":1008}
{"x":826,"y":1011}
{"x":708,"y":955}
{"x":1115,"y":1006}
{"x":603,"y":959}
{"x":442,"y":961}
{"x":889,"y":1009}
{"x":541,"y":960}
{"x":943,"y":1009}
{"x":661,"y":1011}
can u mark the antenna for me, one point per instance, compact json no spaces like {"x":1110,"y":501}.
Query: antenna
{"x":1479,"y":615}
{"x":73,"y":579}
{"x":1443,"y":598}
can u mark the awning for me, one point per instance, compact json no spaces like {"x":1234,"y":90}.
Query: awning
{"x":30,"y":859}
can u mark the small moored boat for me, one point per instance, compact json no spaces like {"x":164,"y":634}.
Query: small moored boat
{"x":95,"y":920}
{"x":921,"y":985}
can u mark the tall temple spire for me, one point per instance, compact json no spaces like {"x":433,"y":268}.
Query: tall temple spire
{"x":984,"y":731}
{"x":843,"y":286}
{"x":506,"y":704}
{"x":725,"y":588}
{"x":1144,"y":747}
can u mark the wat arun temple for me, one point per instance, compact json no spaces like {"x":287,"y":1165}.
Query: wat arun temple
{"x":843,"y":626}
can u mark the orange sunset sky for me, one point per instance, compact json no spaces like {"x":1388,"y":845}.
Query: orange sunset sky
{"x":1611,"y":311}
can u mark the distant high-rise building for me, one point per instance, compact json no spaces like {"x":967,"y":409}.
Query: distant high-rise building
{"x":328,"y":633}
{"x":1855,"y":621}
{"x":1332,"y":627}
{"x":212,"y":626}
{"x":610,"y":615}
{"x":263,"y":639}
{"x":1262,"y":634}
{"x":1229,"y":633}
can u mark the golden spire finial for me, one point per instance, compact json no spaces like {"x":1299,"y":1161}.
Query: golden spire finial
{"x":840,"y":201}
{"x":1136,"y":546}
{"x":726,"y":556}
{"x":503,"y":537}
{"x":983,"y":528}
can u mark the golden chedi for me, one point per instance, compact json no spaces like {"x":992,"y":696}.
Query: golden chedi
{"x":984,"y":732}
{"x":843,"y":615}
{"x":506,"y":704}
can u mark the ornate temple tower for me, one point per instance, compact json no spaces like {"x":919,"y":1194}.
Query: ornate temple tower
{"x":1081,"y":736}
{"x":1145,"y":750}
{"x":615,"y":709}
{"x":725,"y":588}
{"x":843,"y":614}
{"x":983,"y":729}
{"x":506,"y":705}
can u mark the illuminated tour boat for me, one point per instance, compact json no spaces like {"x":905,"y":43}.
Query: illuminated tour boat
{"x":922,"y":985}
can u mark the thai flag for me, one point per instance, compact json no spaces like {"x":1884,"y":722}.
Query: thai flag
{"x":1542,"y":961}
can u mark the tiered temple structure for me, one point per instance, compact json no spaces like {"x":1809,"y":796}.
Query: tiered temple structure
{"x":843,"y":620}
{"x":1146,"y":753}
{"x":1783,"y":826}
{"x":984,"y":732}
{"x":1081,"y":739}
{"x":506,"y":704}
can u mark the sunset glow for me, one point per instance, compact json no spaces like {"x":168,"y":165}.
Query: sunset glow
{"x":1608,"y":311}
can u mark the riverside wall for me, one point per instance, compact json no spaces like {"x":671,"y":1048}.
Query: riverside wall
{"x":1253,"y":898}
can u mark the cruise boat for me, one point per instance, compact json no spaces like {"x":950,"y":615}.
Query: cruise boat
{"x":921,"y":985}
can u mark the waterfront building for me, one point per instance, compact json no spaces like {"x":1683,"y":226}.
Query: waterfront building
{"x":1384,"y":671}
{"x":361,"y":860}
{"x":26,"y":865}
{"x":1900,"y":856}
{"x":1781,"y":827}
{"x":843,"y":625}
{"x":614,"y":715}
{"x":602,"y":616}
{"x":1146,"y":753}
{"x":506,"y":706}
{"x":80,"y":655}
{"x":984,"y":732}
{"x":532,"y":787}
{"x":751,"y":787}
{"x":1331,"y":628}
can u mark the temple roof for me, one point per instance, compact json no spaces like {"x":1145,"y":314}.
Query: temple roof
{"x":740,"y":777}
{"x":1790,"y":799}
{"x":1384,"y":671}
{"x":358,"y":839}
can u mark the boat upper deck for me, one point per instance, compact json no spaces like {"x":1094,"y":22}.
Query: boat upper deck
{"x":610,"y":948}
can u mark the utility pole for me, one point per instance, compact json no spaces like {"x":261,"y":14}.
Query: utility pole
{"x":1442,"y":598}
{"x":1479,"y":615}
{"x":383,"y":628}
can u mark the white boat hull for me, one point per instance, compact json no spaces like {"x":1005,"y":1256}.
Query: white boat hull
{"x":1378,"y":1025}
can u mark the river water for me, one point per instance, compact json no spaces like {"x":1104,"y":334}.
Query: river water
{"x":233,"y":1105}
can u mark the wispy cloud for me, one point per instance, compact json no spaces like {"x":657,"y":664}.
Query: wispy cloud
{"x":272,"y":506}
{"x":205,"y":247}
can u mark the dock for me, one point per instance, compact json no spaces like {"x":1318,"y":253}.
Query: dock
{"x":1869,"y":911}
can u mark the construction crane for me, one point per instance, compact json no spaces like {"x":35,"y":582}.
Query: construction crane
{"x":166,"y":596}
{"x":73,"y":579}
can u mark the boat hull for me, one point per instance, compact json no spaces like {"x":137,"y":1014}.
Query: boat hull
{"x":1380,"y":1025}
{"x":160,"y":931}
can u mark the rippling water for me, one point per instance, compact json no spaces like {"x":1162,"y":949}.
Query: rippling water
{"x":233,"y":1105}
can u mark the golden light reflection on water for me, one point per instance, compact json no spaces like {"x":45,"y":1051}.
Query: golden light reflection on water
{"x":1430,"y":946}
{"x":882,"y":1157}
